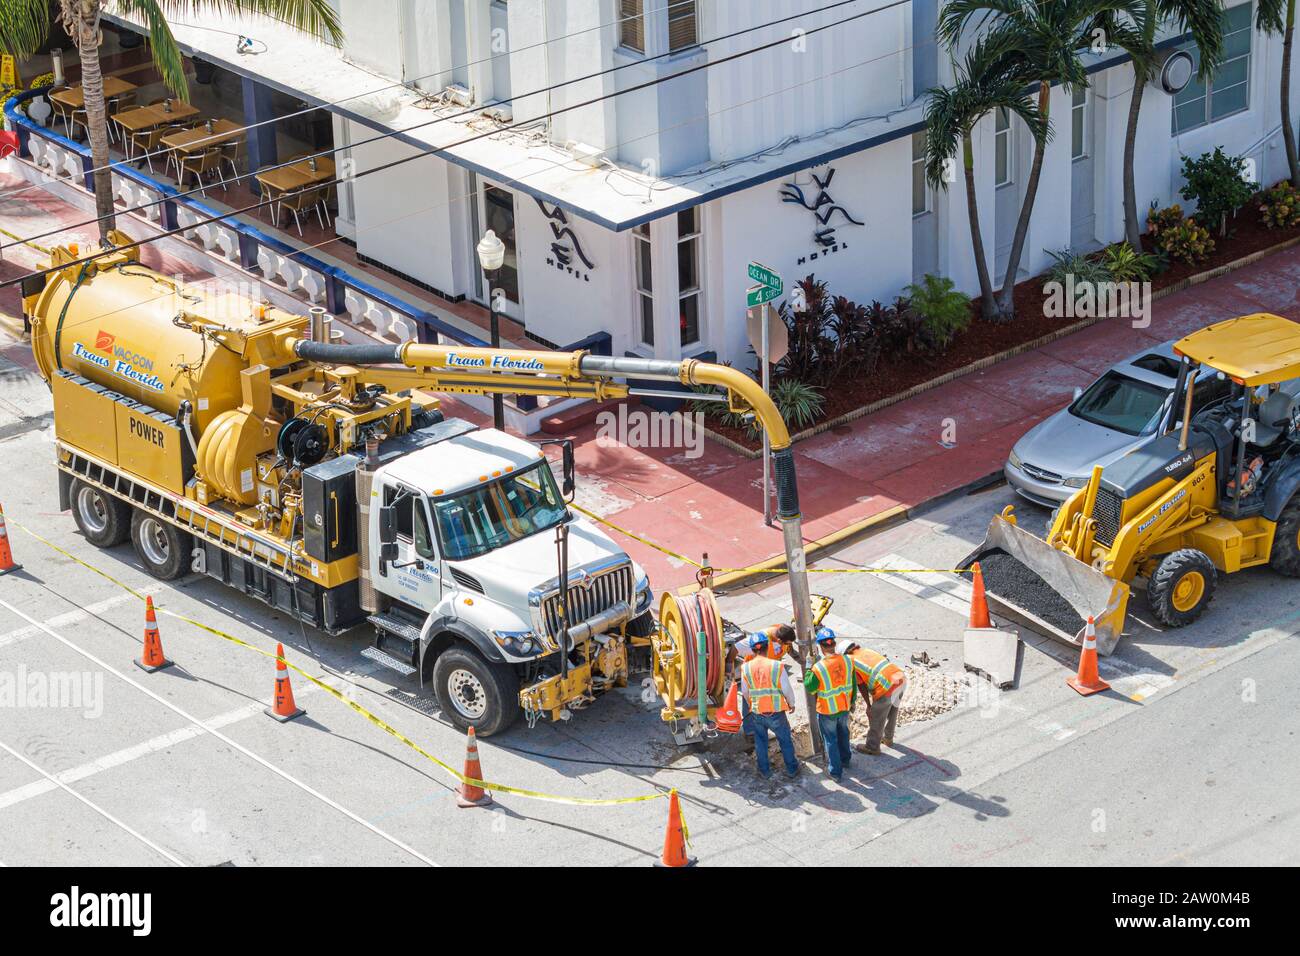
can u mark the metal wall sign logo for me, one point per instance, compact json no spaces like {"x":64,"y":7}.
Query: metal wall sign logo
{"x":565,"y":245}
{"x":104,"y":341}
{"x":122,"y":366}
{"x":824,"y":208}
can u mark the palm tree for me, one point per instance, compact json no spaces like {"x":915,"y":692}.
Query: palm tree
{"x":1278,"y":16}
{"x":981,"y":88}
{"x":24,"y":25}
{"x":1038,"y":42}
{"x":1136,"y":35}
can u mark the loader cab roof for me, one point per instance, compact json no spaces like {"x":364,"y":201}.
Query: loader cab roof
{"x":1258,"y":349}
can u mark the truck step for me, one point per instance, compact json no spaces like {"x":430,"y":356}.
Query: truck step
{"x":384,"y":659}
{"x":397,"y":627}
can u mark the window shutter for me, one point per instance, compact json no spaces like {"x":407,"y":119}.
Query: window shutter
{"x":681,"y":24}
{"x":632,"y":24}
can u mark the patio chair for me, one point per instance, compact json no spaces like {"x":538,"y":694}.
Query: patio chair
{"x":302,"y":201}
{"x":145,"y":142}
{"x":61,"y":111}
{"x":199,"y":165}
{"x":233,"y":153}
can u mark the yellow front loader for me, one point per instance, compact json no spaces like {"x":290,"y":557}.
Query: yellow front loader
{"x":1215,"y":493}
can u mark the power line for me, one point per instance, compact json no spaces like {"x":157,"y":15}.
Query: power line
{"x":476,"y":111}
{"x":470,"y":195}
{"x":403,"y":85}
{"x":440,"y":149}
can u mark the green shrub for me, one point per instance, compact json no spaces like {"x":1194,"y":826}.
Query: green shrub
{"x":1179,"y":237}
{"x":799,"y":403}
{"x":943,"y":311}
{"x":1279,"y":207}
{"x":1084,"y":269}
{"x":1216,"y":182}
{"x":1125,"y":265}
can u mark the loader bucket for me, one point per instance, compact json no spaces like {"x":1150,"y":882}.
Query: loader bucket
{"x":1048,"y":590}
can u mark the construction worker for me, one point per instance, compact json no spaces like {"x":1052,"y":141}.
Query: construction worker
{"x":779,"y":638}
{"x":883,"y":684}
{"x":766,"y":688}
{"x":831,"y":681}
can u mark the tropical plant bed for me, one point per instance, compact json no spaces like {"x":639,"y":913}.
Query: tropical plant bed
{"x":984,"y":343}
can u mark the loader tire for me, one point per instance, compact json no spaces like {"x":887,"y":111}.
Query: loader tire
{"x":1181,"y":587}
{"x":1285,"y":558}
{"x":164,"y":548}
{"x":475,"y":692}
{"x":103,"y":519}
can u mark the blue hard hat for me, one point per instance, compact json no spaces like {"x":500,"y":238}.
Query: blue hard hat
{"x":825,"y":635}
{"x":758,"y":639}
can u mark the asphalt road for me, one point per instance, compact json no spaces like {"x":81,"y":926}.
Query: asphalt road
{"x":113,"y":765}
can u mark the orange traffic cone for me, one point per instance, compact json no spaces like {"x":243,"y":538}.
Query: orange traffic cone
{"x":675,"y":837}
{"x":7,"y":562}
{"x":284,"y":707}
{"x":470,"y":794}
{"x":979,"y":605}
{"x":728,"y":718}
{"x":152,"y":659}
{"x":1088,"y":681}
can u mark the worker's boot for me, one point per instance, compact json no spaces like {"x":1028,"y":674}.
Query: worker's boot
{"x":887,"y":742}
{"x":865,"y":749}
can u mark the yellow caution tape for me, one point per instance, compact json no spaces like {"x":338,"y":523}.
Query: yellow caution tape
{"x":753,"y":568}
{"x":26,"y":242}
{"x":338,"y":695}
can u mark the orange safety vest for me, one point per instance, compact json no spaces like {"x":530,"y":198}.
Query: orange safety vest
{"x":878,"y":673}
{"x":775,"y":649}
{"x":763,"y":678}
{"x":834,"y":684}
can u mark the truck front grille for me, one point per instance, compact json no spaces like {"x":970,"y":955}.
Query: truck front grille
{"x":1107,"y":513}
{"x":589,"y":594}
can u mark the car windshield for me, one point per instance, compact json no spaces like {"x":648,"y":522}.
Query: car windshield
{"x":503,"y":511}
{"x":1122,"y":403}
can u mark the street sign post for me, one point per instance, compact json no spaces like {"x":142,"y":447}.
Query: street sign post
{"x":769,"y":287}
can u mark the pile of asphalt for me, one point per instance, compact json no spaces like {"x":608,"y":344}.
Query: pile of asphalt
{"x":1016,"y":584}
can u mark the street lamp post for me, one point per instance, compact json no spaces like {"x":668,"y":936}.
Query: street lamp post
{"x":491,"y":256}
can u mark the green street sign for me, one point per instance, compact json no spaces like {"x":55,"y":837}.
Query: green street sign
{"x":759,"y":294}
{"x":765,"y":276}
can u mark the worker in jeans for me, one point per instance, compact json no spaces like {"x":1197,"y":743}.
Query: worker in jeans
{"x":765,"y":685}
{"x":779,"y":637}
{"x":884,"y":683}
{"x":831,"y":682}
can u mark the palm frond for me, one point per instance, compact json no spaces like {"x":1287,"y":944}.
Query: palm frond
{"x":24,"y":25}
{"x":313,"y":17}
{"x":163,"y":48}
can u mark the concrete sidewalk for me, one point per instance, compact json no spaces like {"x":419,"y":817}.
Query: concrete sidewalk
{"x":709,"y":499}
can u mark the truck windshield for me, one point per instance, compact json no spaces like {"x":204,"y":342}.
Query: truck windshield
{"x":1122,"y":403}
{"x":500,"y":512}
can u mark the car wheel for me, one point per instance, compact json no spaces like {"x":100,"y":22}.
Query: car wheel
{"x":475,"y":692}
{"x":103,"y":519}
{"x":1181,"y":587}
{"x":164,"y":549}
{"x":1285,"y":558}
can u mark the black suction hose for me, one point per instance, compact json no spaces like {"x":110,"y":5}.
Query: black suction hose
{"x":336,"y":354}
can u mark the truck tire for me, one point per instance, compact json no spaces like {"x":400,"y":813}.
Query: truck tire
{"x":164,"y":549}
{"x":103,"y":519}
{"x":1181,"y":587}
{"x":474,"y":692}
{"x":1285,"y":558}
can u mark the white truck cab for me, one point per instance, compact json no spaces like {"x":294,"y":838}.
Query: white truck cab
{"x":463,"y":558}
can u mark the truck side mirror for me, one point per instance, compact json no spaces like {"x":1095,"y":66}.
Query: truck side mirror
{"x":570,"y":480}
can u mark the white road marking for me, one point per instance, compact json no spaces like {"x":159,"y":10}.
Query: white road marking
{"x":306,"y":788}
{"x":941,"y":589}
{"x":75,"y":617}
{"x":94,"y":806}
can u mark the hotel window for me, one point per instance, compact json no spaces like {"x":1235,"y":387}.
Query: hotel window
{"x":645,"y":298}
{"x":920,"y":188}
{"x":681,"y":25}
{"x":1228,"y":90}
{"x":1078,"y":123}
{"x":631,"y":15}
{"x":1003,"y":152}
{"x":688,"y":274}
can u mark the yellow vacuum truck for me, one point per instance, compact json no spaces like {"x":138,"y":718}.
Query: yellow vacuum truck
{"x":228,"y":437}
{"x":1218,"y":492}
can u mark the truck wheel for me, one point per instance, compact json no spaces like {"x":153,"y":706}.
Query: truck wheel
{"x":104,"y":519}
{"x":474,"y":692}
{"x":1285,"y":558}
{"x":1181,"y":587}
{"x":164,"y":549}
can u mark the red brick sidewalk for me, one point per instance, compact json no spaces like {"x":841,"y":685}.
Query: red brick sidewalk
{"x":713,"y":503}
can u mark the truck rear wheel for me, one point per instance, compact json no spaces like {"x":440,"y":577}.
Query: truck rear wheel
{"x":1285,"y":558}
{"x":164,"y":549}
{"x":474,"y":692}
{"x":103,"y":519}
{"x":1181,"y":587}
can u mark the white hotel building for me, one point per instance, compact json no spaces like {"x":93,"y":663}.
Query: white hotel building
{"x":636,"y":214}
